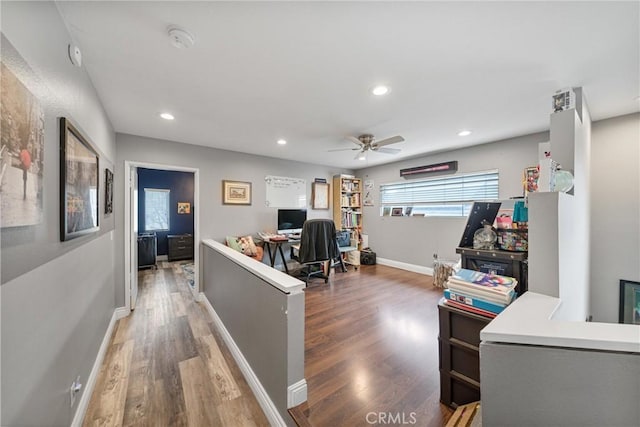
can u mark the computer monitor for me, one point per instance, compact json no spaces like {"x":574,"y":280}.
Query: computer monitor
{"x":290,"y":221}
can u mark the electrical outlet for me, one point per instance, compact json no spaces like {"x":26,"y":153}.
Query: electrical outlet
{"x":74,"y":389}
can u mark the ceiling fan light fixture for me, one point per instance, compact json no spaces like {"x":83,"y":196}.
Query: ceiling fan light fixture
{"x":380,"y":90}
{"x":362,"y":156}
{"x":167,"y":116}
{"x":282,"y":142}
{"x":464,"y":133}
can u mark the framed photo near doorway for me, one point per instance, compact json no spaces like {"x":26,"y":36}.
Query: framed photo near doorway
{"x":79,"y":166}
{"x":629,"y":302}
{"x":236,"y":193}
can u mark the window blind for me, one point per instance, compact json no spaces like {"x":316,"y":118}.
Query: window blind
{"x":156,"y":209}
{"x":448,"y":195}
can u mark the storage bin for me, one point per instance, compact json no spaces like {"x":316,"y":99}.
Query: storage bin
{"x":515,"y":239}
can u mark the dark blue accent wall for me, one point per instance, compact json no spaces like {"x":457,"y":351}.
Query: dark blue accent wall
{"x":181,"y":186}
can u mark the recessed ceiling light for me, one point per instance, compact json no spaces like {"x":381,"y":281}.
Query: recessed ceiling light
{"x":282,"y":141}
{"x":464,"y":133}
{"x":167,"y":116}
{"x":380,"y":90}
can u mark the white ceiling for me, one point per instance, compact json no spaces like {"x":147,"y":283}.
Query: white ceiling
{"x":302,"y":71}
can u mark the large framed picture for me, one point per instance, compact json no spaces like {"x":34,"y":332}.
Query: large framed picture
{"x":79,"y":166}
{"x":629,"y":302}
{"x":236,"y":193}
{"x":22,"y":119}
{"x":320,"y":194}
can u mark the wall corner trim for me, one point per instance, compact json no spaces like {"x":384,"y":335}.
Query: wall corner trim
{"x":260,"y":393}
{"x":297,"y":393}
{"x":406,"y":266}
{"x":83,"y":404}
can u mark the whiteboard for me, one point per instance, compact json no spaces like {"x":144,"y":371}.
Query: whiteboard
{"x":284,"y":192}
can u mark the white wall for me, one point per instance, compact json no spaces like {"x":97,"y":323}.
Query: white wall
{"x":57,"y":297}
{"x":615,"y":211}
{"x":216,"y":220}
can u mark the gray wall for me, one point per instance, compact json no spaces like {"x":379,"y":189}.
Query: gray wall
{"x":57,"y":298}
{"x":265,"y":323}
{"x":216,"y":220}
{"x":576,"y":388}
{"x":415,"y":240}
{"x":615,"y":211}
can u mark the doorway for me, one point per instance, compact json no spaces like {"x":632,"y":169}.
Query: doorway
{"x":132,"y":230}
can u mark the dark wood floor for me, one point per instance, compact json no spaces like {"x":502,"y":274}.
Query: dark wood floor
{"x":371,"y":346}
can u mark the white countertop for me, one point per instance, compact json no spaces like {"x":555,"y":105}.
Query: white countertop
{"x":275,"y":278}
{"x":530,"y":320}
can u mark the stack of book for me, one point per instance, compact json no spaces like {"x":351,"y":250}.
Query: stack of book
{"x":480,"y":293}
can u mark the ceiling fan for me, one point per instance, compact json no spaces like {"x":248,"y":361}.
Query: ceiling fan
{"x":368,"y":143}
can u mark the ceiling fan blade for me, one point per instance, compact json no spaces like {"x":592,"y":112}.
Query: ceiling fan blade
{"x":344,"y":149}
{"x":388,"y":150}
{"x":388,"y":141}
{"x":355,"y":140}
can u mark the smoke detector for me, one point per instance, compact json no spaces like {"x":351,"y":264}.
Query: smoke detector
{"x":180,"y":38}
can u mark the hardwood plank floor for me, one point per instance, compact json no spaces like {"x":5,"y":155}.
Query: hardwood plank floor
{"x":167,"y":365}
{"x":371,"y":347}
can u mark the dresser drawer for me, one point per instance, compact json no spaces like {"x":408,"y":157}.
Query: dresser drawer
{"x":180,"y":247}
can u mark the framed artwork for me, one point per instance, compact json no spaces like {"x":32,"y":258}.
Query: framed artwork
{"x":408,"y":210}
{"x":79,"y":165}
{"x":386,"y":211}
{"x":236,"y":193}
{"x":320,"y":195}
{"x":530,"y":179}
{"x":22,"y":120}
{"x":396,"y":211}
{"x":184,"y":208}
{"x":629,"y":302}
{"x":108,"y":191}
{"x":368,"y":192}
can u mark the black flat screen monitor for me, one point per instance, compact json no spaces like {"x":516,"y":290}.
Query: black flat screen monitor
{"x":291,"y":220}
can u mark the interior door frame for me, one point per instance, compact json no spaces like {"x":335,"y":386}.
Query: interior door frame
{"x":131,"y":166}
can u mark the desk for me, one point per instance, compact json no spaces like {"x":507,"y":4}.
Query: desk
{"x":277,"y":248}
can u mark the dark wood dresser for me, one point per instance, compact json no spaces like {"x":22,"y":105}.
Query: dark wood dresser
{"x":180,"y":246}
{"x":459,"y":346}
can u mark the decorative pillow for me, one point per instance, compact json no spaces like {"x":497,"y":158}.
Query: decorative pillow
{"x":233,"y":243}
{"x":248,"y":246}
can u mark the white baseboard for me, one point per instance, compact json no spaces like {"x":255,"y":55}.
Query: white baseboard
{"x":297,"y":393}
{"x":269,"y":408}
{"x":83,"y":404}
{"x":406,"y":266}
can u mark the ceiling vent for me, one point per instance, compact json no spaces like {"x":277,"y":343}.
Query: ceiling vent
{"x":180,"y":38}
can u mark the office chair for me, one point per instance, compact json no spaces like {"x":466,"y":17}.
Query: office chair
{"x":318,"y":245}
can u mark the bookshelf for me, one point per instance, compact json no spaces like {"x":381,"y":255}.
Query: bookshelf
{"x":347,"y":206}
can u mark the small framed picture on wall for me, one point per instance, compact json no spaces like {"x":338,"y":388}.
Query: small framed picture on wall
{"x":320,"y":195}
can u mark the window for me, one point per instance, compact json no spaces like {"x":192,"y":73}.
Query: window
{"x":442,"y":196}
{"x":156,"y":209}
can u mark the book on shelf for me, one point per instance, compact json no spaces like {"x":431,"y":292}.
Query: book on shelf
{"x":492,"y":281}
{"x":469,"y":308}
{"x":476,"y":302}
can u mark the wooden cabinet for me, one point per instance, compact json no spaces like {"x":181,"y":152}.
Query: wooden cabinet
{"x":180,"y":246}
{"x":459,"y":347}
{"x":504,"y":263}
{"x":347,"y":206}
